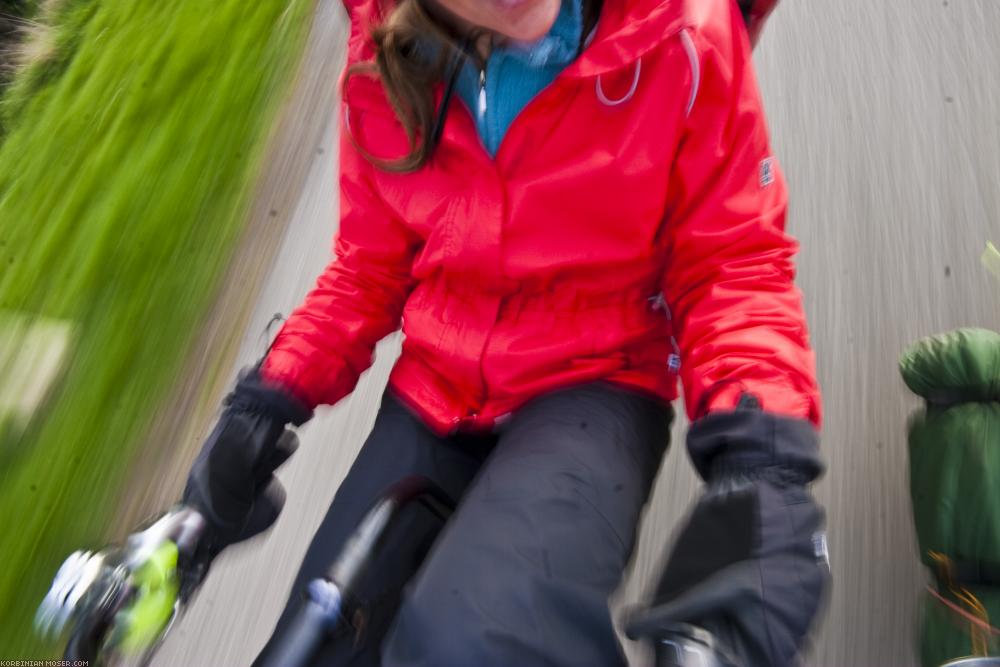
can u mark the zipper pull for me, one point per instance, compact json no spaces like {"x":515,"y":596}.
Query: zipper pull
{"x":482,"y":93}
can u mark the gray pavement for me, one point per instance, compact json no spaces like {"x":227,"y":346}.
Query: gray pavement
{"x":886,"y":117}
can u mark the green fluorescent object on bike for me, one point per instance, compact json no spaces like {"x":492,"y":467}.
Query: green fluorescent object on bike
{"x":142,"y":623}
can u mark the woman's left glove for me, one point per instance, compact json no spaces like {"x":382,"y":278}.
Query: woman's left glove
{"x":750,"y":566}
{"x":231,"y":482}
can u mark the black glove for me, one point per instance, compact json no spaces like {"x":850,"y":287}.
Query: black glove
{"x":231,"y":482}
{"x":750,"y":566}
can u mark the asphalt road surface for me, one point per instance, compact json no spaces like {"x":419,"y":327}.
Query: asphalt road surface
{"x":886,"y":117}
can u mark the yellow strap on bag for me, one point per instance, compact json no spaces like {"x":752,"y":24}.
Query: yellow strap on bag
{"x":991,"y":260}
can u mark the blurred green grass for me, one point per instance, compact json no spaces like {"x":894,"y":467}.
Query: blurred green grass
{"x":127,"y":162}
{"x":15,"y":17}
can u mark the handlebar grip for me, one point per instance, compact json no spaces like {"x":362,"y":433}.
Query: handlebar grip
{"x":669,"y":654}
{"x":689,"y":646}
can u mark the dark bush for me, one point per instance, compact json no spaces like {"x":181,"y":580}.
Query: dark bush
{"x":13,"y":14}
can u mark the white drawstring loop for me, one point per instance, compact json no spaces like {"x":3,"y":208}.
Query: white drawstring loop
{"x":631,"y":91}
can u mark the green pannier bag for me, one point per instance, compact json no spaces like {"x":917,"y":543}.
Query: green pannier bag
{"x":954,"y":444}
{"x":955,"y":482}
{"x":947,"y":634}
{"x":954,"y":448}
{"x":956,"y":367}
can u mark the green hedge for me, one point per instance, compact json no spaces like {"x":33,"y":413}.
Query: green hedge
{"x":125,"y":174}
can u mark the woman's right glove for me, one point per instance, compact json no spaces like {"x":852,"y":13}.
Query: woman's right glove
{"x":750,"y":565}
{"x":231,"y":483}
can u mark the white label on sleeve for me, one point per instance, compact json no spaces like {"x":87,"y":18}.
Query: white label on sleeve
{"x":766,"y":172}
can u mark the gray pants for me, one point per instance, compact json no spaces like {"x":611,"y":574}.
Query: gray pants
{"x":521,"y":573}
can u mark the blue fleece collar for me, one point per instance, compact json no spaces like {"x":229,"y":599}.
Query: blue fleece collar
{"x":516,"y":73}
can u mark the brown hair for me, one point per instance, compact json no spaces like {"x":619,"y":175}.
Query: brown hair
{"x":414,"y":51}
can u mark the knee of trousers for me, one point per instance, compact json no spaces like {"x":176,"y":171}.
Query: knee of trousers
{"x":435,"y":627}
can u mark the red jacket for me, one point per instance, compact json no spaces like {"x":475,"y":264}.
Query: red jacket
{"x":644,"y":169}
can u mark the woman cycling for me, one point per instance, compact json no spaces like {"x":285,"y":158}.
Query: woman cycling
{"x":569,"y":207}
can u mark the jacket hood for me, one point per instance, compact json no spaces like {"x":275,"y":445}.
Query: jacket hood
{"x":626,"y":30}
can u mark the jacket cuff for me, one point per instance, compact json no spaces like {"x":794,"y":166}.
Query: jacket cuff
{"x":748,"y":439}
{"x":254,"y":393}
{"x":771,"y":397}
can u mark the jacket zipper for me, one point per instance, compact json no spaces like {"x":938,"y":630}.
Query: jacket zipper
{"x":482,"y":93}
{"x":675,"y":358}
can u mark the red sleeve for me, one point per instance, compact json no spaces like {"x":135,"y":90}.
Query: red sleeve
{"x":329,"y":340}
{"x":730,"y":277}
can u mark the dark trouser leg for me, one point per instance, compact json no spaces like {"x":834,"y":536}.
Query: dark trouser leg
{"x":399,"y":445}
{"x":523,"y":571}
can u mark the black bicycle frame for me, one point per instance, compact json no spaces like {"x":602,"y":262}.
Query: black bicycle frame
{"x":324,"y":606}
